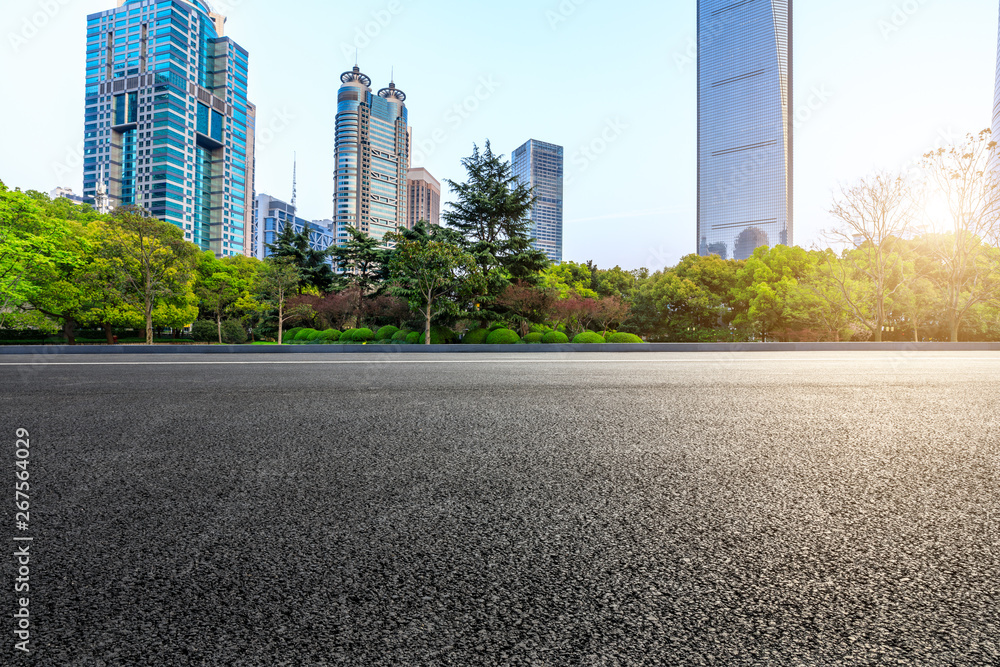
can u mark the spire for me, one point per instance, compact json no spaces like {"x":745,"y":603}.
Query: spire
{"x":295,"y":169}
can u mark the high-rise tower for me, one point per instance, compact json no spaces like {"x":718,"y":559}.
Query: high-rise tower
{"x":539,"y":166}
{"x":168,"y":126}
{"x":372,"y":158}
{"x":745,"y":123}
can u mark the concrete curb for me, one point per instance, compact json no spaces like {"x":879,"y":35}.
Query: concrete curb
{"x":40,"y":350}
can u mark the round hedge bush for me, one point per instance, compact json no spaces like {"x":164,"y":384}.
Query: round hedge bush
{"x":386,"y":333}
{"x":413,"y":337}
{"x":290,"y":334}
{"x":497,"y":327}
{"x":624,"y":338}
{"x":362,"y":335}
{"x":503,"y":337}
{"x":314,"y":335}
{"x":304,"y":335}
{"x":205,"y":331}
{"x":555,"y":338}
{"x":328,"y":336}
{"x":533,"y":338}
{"x":588,"y":338}
{"x":400,"y":336}
{"x":476,"y":336}
{"x":439,"y":336}
{"x":233,"y":333}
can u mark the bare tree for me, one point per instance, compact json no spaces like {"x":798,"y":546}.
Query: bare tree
{"x":874,"y":215}
{"x":965,"y":178}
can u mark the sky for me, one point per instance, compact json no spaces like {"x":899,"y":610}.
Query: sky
{"x":877,"y":83}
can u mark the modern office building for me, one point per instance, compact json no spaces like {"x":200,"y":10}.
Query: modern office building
{"x":272,"y":215}
{"x":540,"y":166}
{"x":168,"y":126}
{"x":372,"y":158}
{"x":66,"y":193}
{"x":744,"y":126}
{"x":424,"y":197}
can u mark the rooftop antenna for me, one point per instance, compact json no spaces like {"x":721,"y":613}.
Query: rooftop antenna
{"x":356,"y":56}
{"x":295,"y":177}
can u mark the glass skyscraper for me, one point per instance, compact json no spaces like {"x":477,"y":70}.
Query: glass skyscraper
{"x":745,"y":122}
{"x":372,"y":158}
{"x":168,"y":126}
{"x":540,"y":166}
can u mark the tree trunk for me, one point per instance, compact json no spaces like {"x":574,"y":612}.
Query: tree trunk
{"x":281,"y":318}
{"x":427,"y":324}
{"x":218,"y":324}
{"x":149,"y":322}
{"x":69,"y":328}
{"x":877,"y":335}
{"x":954,"y":331}
{"x":108,"y":335}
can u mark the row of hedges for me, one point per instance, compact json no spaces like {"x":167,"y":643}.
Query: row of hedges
{"x":496,"y":335}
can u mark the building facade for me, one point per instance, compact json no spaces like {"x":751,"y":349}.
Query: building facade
{"x":745,"y":124}
{"x":540,"y":166}
{"x":168,"y":126}
{"x":66,"y":193}
{"x":372,"y":158}
{"x":272,"y":215}
{"x":424,"y":197}
{"x":995,"y":125}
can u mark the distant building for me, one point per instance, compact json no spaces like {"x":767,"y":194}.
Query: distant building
{"x":272,"y":215}
{"x":372,"y":158}
{"x":424,"y":196}
{"x":744,"y":126}
{"x":167,"y":123}
{"x":539,"y":166}
{"x":66,"y":193}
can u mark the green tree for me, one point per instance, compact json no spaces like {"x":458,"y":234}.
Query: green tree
{"x":151,"y":258}
{"x":361,"y":263}
{"x":425,"y":273}
{"x":314,"y":269}
{"x":218,"y":288}
{"x":279,"y":280}
{"x":491,"y":212}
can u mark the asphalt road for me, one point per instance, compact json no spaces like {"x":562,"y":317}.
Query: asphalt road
{"x":697,"y":509}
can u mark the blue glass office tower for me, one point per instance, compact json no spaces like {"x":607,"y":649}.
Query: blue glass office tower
{"x":372,"y":158}
{"x":540,"y":166}
{"x":745,"y":122}
{"x":168,"y":126}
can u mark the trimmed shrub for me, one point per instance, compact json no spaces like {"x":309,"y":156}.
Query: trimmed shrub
{"x":588,"y":338}
{"x":503,"y":337}
{"x":328,"y":336}
{"x":303,"y":335}
{"x":204,"y":331}
{"x":233,"y":333}
{"x":400,"y":336}
{"x":533,"y":338}
{"x":555,"y":338}
{"x":413,"y":338}
{"x":497,"y":327}
{"x":313,"y":336}
{"x":290,"y":334}
{"x":476,"y":336}
{"x":439,"y":336}
{"x":624,"y":338}
{"x":386,"y":333}
{"x":540,"y":328}
{"x":362,"y":335}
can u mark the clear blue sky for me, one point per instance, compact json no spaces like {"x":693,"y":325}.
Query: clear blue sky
{"x":888,"y":80}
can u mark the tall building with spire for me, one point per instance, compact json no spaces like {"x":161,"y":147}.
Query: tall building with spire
{"x":372,"y":158}
{"x":744,"y":126}
{"x":167,"y":123}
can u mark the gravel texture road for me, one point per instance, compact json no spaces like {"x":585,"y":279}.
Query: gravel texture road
{"x":698,"y":509}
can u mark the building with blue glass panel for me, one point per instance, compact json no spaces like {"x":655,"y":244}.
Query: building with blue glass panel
{"x":372,"y":158}
{"x":167,"y":123}
{"x":272,"y":215}
{"x":744,"y":126}
{"x":539,"y":166}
